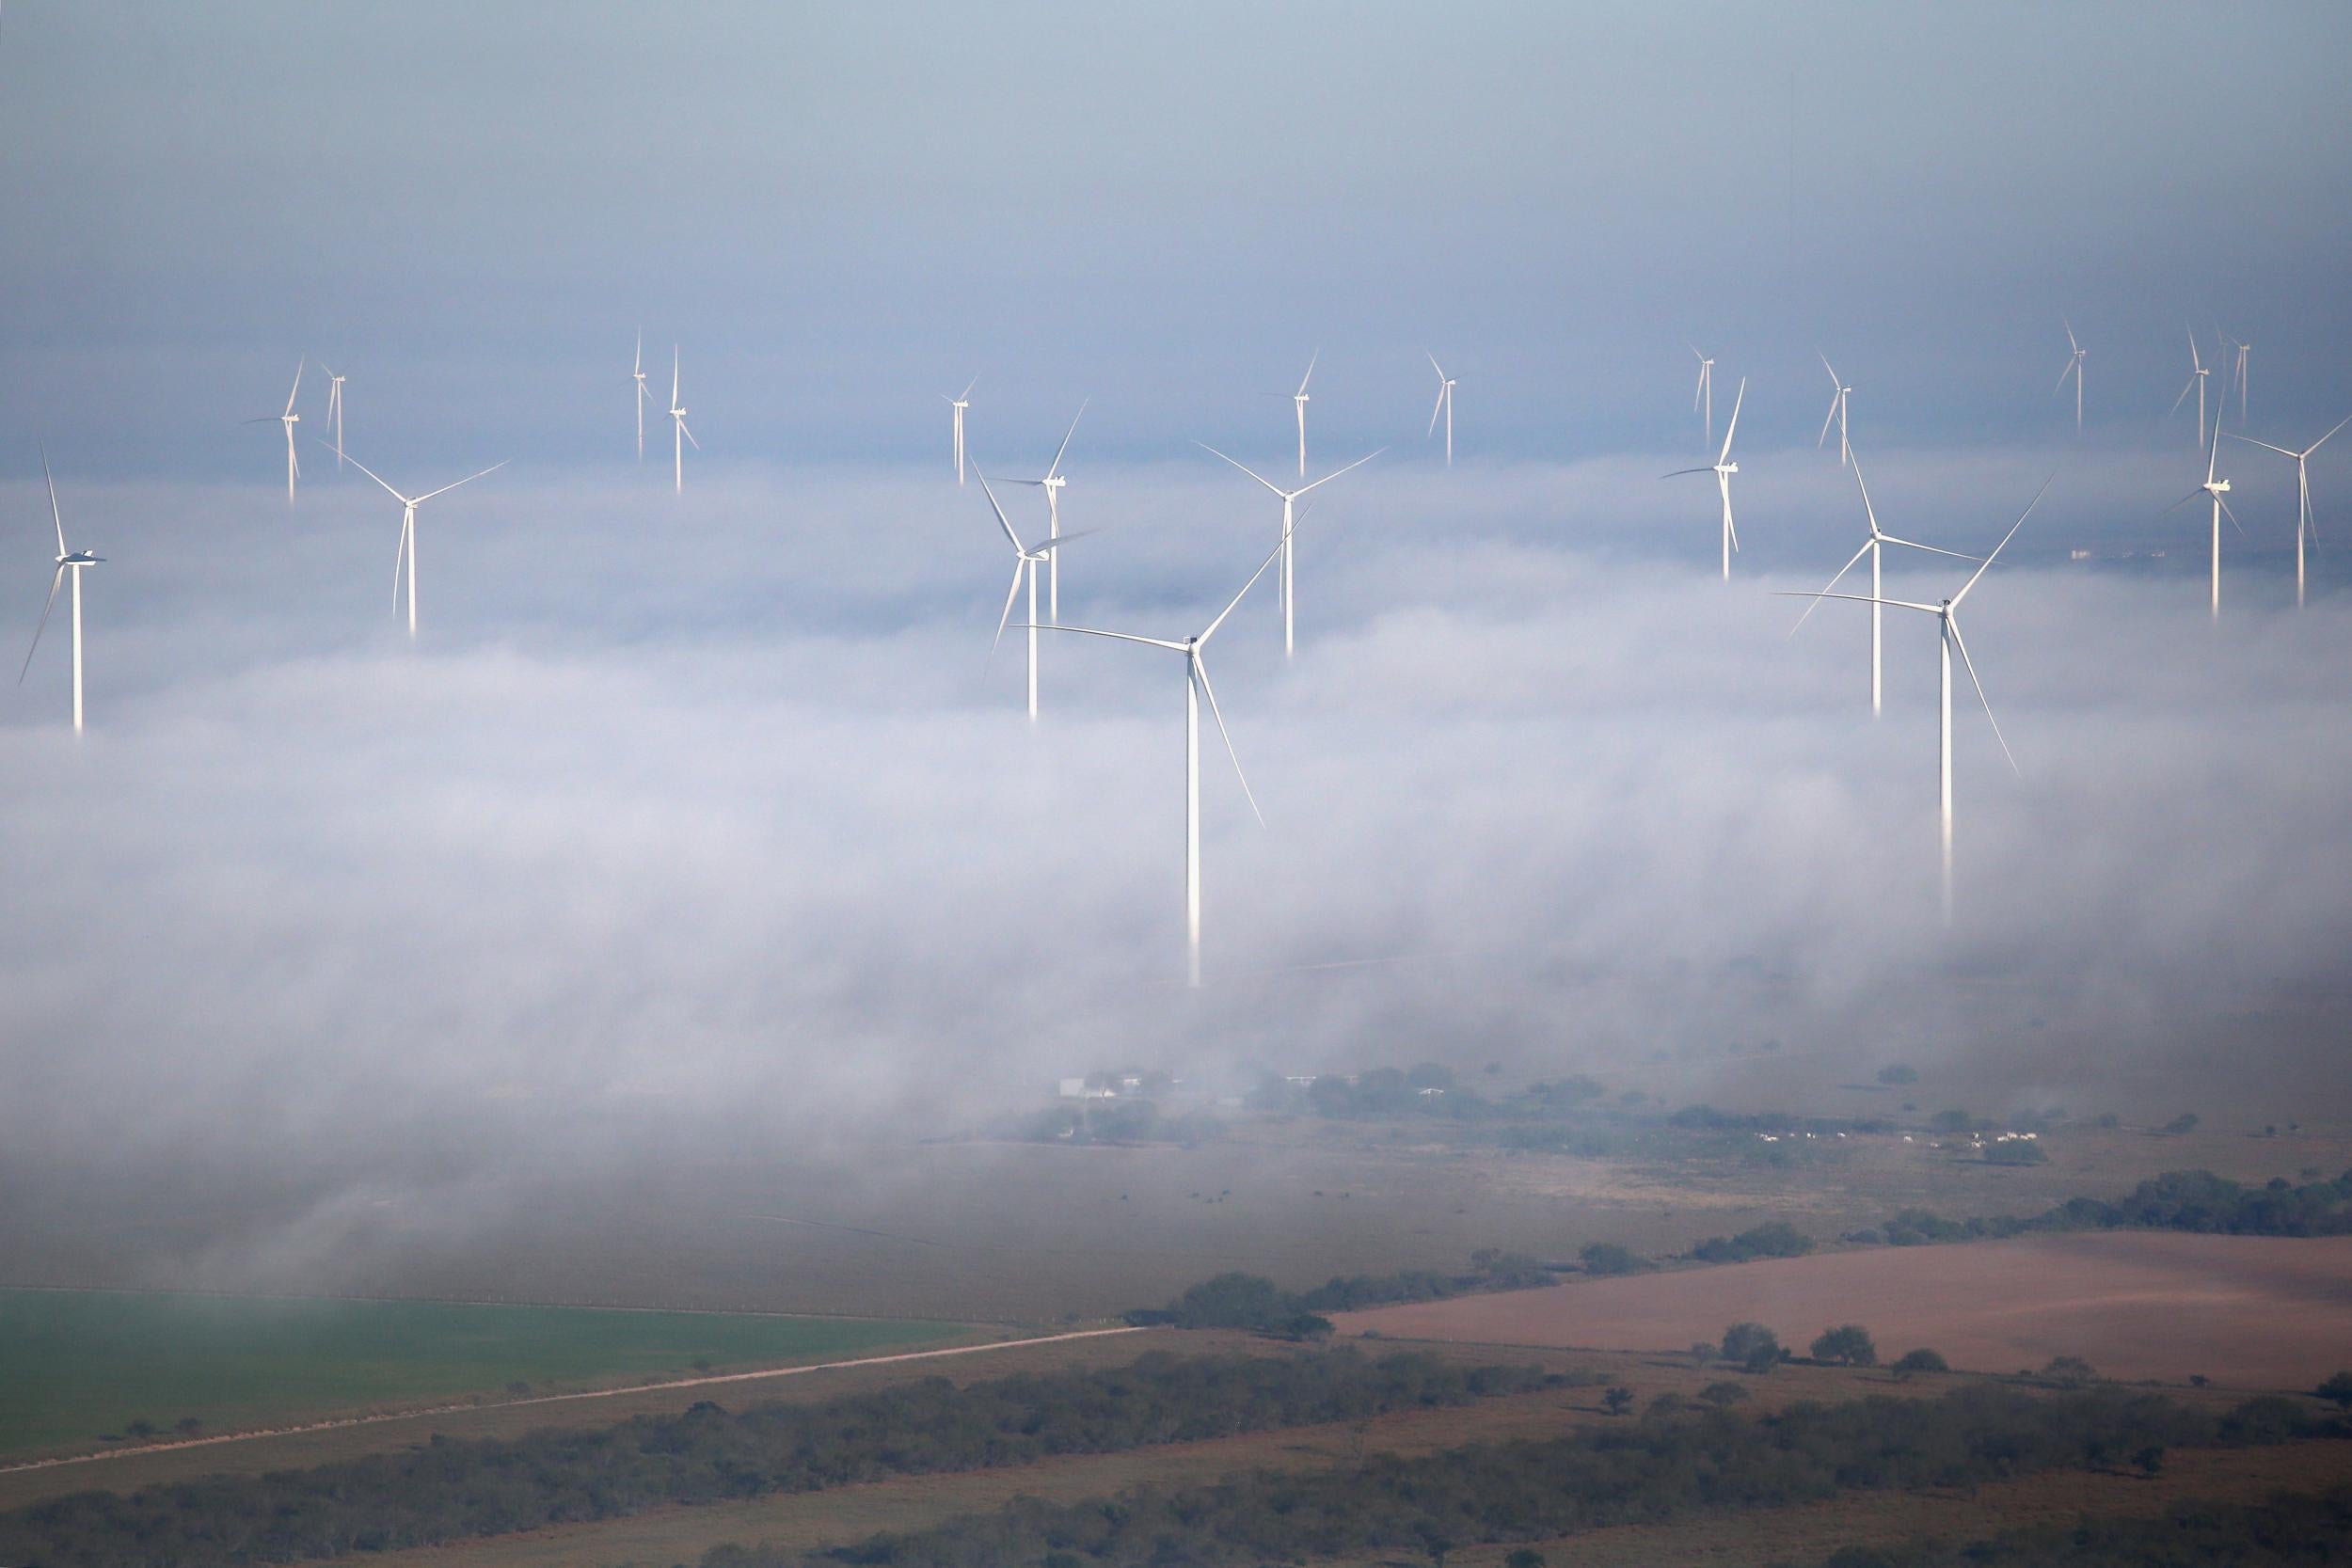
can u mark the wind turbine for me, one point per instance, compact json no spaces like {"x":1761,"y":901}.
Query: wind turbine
{"x":1705,"y":392}
{"x":1298,"y":400}
{"x":1837,"y":397}
{"x":2075,"y":368}
{"x":2234,"y":372}
{"x":67,"y":560}
{"x":1723,"y":468}
{"x":958,"y":403}
{"x":2304,"y":522}
{"x":2197,"y":374}
{"x":1947,"y":616}
{"x":289,"y":419}
{"x":1288,"y":579}
{"x":1025,"y":564}
{"x":335,"y":410}
{"x":1874,"y":547}
{"x":682,"y":434}
{"x":1196,"y":687}
{"x":2216,"y":488}
{"x":645,"y":393}
{"x":1052,"y":484}
{"x":406,"y":554}
{"x":1445,"y":407}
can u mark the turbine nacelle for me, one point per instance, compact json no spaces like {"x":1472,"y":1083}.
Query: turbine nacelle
{"x":80,"y":558}
{"x":2217,"y":487}
{"x":1731,"y":467}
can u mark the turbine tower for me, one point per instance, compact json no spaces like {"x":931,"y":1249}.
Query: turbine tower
{"x":1444,"y":405}
{"x":2075,"y":368}
{"x":681,"y":435}
{"x":1838,"y":394}
{"x":1288,"y":579}
{"x":1298,"y":400}
{"x":2198,"y":371}
{"x":1948,"y":617}
{"x":645,"y":393}
{"x":1723,"y":468}
{"x":2304,"y":522}
{"x":1052,"y":484}
{"x":2216,"y":488}
{"x":1705,"y":394}
{"x":958,"y":403}
{"x":1196,"y":687}
{"x":1874,"y":546}
{"x":1024,"y":564}
{"x":67,"y":560}
{"x":406,"y":554}
{"x":289,"y":419}
{"x":335,"y":410}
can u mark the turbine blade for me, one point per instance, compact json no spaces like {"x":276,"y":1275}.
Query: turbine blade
{"x":2187,"y":387}
{"x":1245,"y":589}
{"x":2266,"y":446}
{"x":1336,"y":472}
{"x":2183,"y":500}
{"x":1011,"y":593}
{"x":1243,"y":466}
{"x":684,"y":431}
{"x":1867,"y":510}
{"x":2006,"y":538}
{"x":2233,"y":516}
{"x":1435,"y":410}
{"x":379,"y":478}
{"x":1832,"y":369}
{"x":2323,"y":440}
{"x":1680,"y":472}
{"x":967,"y":389}
{"x":1733,"y":429}
{"x":1931,"y":549}
{"x":298,"y":385}
{"x":1833,"y":583}
{"x":1970,"y":664}
{"x":1827,"y":419}
{"x":1859,"y":599}
{"x":1065,"y":439}
{"x":1114,"y":636}
{"x":468,"y":480}
{"x":1060,"y":540}
{"x":399,"y":556}
{"x":47,"y":604}
{"x":1002,"y":521}
{"x":1310,"y":370}
{"x":55,"y":515}
{"x":1201,"y":670}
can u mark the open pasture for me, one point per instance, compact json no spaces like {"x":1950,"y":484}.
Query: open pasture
{"x":78,"y":1365}
{"x":2247,"y":1311}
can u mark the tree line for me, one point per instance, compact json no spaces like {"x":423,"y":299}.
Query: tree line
{"x":2288,"y":1530}
{"x":1678,"y":1460}
{"x":454,"y":1489}
{"x":1255,"y":1303}
{"x":2194,"y":1200}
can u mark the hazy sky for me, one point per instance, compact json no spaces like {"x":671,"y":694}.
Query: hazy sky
{"x":841,"y":211}
{"x":714,"y":803}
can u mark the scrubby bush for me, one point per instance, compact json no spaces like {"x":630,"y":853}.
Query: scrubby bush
{"x":1848,"y":1344}
{"x":1913,"y":1362}
{"x":1608,"y":1257}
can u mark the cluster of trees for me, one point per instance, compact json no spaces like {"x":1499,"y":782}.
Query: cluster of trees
{"x":450,"y":1490}
{"x":2178,"y":1201}
{"x":1253,"y":1302}
{"x":2289,"y":1530}
{"x":1669,"y":1465}
{"x":1774,"y":1239}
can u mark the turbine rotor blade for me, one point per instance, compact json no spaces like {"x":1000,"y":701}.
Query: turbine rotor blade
{"x":1010,"y":595}
{"x":1065,"y":439}
{"x":2006,"y":538}
{"x":1201,"y":672}
{"x":1970,"y":664}
{"x":1833,"y":583}
{"x":379,"y":478}
{"x":1002,"y":521}
{"x":1733,"y":429}
{"x":468,"y":480}
{"x":1246,"y":587}
{"x":1243,"y":466}
{"x":47,"y":604}
{"x":58,"y":517}
{"x":1336,"y":472}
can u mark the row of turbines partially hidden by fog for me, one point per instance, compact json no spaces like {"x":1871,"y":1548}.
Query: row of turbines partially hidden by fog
{"x":2232,"y":357}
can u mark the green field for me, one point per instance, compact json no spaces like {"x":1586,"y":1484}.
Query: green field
{"x":79,"y":1365}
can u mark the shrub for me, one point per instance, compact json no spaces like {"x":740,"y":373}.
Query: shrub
{"x":2185,"y":1122}
{"x":1722,"y":1394}
{"x":1914,"y":1361}
{"x":1898,"y":1073}
{"x":2336,"y":1390}
{"x":2068,"y":1371}
{"x":1775,"y":1239}
{"x":1608,"y":1257}
{"x":1848,"y":1343}
{"x":1526,"y":1557}
{"x":1618,"y":1400}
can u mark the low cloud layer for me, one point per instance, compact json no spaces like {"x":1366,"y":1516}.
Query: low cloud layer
{"x":701,"y":813}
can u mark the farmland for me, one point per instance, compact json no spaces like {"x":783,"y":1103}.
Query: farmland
{"x":79,"y":1365}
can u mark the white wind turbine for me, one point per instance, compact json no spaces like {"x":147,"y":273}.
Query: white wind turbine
{"x":67,"y":560}
{"x":406,"y":554}
{"x":681,"y":435}
{"x":1196,"y":687}
{"x":1705,"y":394}
{"x":1947,"y":616}
{"x":1444,"y":405}
{"x":1052,"y":484}
{"x":2075,"y":368}
{"x":1025,"y":562}
{"x":1298,"y":400}
{"x":1723,"y":468}
{"x":1838,"y":394}
{"x":289,"y":419}
{"x":2198,"y":371}
{"x":645,"y":393}
{"x":2304,"y":522}
{"x":2216,"y":488}
{"x":1874,"y":547}
{"x":335,"y":410}
{"x":1287,"y":582}
{"x":958,"y":403}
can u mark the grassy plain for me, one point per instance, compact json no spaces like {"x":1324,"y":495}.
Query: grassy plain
{"x":80,"y":1363}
